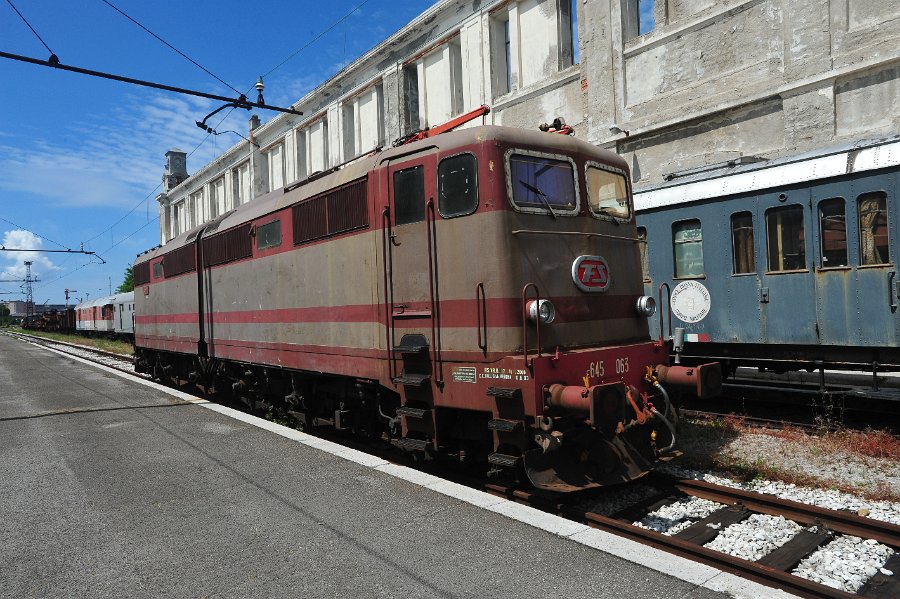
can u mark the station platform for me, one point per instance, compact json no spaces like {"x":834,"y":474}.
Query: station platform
{"x":114,"y":486}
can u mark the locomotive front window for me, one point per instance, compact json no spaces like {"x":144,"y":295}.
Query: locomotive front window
{"x":538,"y":183}
{"x":786,"y":239}
{"x":687,"y":239}
{"x":268,"y":235}
{"x":409,"y":195}
{"x":873,"y":229}
{"x":743,"y":254}
{"x":457,"y":186}
{"x":607,"y":192}
{"x":833,"y":233}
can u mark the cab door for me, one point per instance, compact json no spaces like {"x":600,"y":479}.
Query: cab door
{"x":410,"y":268}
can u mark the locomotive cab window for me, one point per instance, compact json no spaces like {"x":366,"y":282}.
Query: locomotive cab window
{"x":409,"y":195}
{"x":607,"y":192}
{"x":687,"y":241}
{"x":785,"y":238}
{"x":833,"y":233}
{"x":874,"y":238}
{"x":743,"y":256}
{"x":541,"y":183}
{"x":268,"y":235}
{"x":457,"y":186}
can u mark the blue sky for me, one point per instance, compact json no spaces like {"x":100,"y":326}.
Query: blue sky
{"x":78,"y":154}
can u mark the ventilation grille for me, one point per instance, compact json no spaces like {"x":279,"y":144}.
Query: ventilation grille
{"x":180,"y":261}
{"x":142,"y":273}
{"x":231,"y":245}
{"x":336,"y":211}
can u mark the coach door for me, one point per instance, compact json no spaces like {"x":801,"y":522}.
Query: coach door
{"x":787,"y":290}
{"x":411,"y":269}
{"x":856,"y":274}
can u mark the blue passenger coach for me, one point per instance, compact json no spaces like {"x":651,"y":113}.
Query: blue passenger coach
{"x":789,"y":263}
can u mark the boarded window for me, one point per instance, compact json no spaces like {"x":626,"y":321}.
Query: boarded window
{"x":334,"y":212}
{"x":687,"y":239}
{"x":142,"y":273}
{"x":268,"y":235}
{"x":457,"y":185}
{"x":228,"y":246}
{"x":645,"y":253}
{"x":833,"y":233}
{"x":180,"y":261}
{"x":873,"y":229}
{"x":743,"y":259}
{"x":409,"y":195}
{"x":785,"y":238}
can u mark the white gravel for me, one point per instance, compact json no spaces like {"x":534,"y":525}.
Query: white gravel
{"x":675,"y":517}
{"x":754,"y":537}
{"x":846,"y":563}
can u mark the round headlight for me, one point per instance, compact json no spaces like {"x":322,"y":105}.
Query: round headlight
{"x":646,"y":306}
{"x":541,"y":309}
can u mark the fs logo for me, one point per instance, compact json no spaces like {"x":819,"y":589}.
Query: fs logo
{"x":591,"y":273}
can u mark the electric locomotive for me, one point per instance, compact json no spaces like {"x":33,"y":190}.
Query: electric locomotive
{"x":476,"y":293}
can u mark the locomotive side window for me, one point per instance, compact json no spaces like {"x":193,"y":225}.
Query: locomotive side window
{"x":541,"y":184}
{"x":458,"y":185}
{"x":607,"y":192}
{"x":409,"y":195}
{"x":687,"y":240}
{"x":158,"y":270}
{"x":268,"y":235}
{"x":645,"y":253}
{"x":833,"y":233}
{"x":743,"y":257}
{"x":785,"y":238}
{"x":873,"y":229}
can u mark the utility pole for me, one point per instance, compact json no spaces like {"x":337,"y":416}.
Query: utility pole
{"x":68,"y":291}
{"x":29,"y":294}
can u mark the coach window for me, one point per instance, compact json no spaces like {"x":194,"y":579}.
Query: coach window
{"x":409,"y":195}
{"x":785,"y":238}
{"x":607,"y":192}
{"x":645,"y":253}
{"x":268,"y":235}
{"x":542,"y":184}
{"x":873,"y":229}
{"x":457,"y":186}
{"x":743,"y":256}
{"x":687,"y":239}
{"x":833,"y":233}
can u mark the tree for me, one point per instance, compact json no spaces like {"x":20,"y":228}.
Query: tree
{"x":128,"y":284}
{"x":4,"y":315}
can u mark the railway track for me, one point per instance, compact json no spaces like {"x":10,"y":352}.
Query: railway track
{"x":694,"y":540}
{"x":817,"y":527}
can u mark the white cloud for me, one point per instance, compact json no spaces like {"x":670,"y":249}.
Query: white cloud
{"x":14,"y":267}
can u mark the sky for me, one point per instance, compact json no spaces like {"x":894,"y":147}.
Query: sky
{"x":82,"y":158}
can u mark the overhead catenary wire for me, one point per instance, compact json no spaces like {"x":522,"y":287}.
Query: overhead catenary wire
{"x":37,"y":35}
{"x":179,"y":52}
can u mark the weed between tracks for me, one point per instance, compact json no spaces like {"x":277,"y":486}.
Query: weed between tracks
{"x":861,"y":462}
{"x":117,"y":347}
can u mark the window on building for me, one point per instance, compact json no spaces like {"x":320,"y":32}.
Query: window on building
{"x":363,"y":122}
{"x":411,"y":118}
{"x":541,"y":184}
{"x":178,"y":222}
{"x":198,"y":214}
{"x":607,"y":192}
{"x":409,"y":195}
{"x":314,"y":152}
{"x":458,"y":185}
{"x":501,"y":52}
{"x":874,"y":237}
{"x":439,"y":77}
{"x":644,"y":252}
{"x":275,"y":165}
{"x":268,"y":235}
{"x":217,"y":197}
{"x":833,"y":233}
{"x":687,"y":241}
{"x":785,"y":238}
{"x":743,"y":256}
{"x":576,"y":51}
{"x":638,"y":17}
{"x":240,"y":184}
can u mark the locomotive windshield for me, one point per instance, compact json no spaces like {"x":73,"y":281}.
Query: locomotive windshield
{"x":540,"y":183}
{"x":607,"y":192}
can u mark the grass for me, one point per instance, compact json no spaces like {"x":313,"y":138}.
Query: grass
{"x":124,"y":348}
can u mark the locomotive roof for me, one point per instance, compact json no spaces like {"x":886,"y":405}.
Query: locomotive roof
{"x":446,"y":142}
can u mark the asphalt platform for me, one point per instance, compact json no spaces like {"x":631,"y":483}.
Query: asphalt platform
{"x":113,"y":487}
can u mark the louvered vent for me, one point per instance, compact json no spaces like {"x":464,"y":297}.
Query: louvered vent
{"x":180,"y":261}
{"x":142,"y":273}
{"x":336,"y":211}
{"x":228,"y":246}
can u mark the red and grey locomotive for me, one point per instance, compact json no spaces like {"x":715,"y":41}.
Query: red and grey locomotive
{"x":476,"y":293}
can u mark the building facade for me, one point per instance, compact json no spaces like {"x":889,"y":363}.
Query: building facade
{"x":671,"y":85}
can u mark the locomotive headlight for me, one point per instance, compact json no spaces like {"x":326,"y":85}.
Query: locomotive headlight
{"x":646,"y":306}
{"x":541,"y":309}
